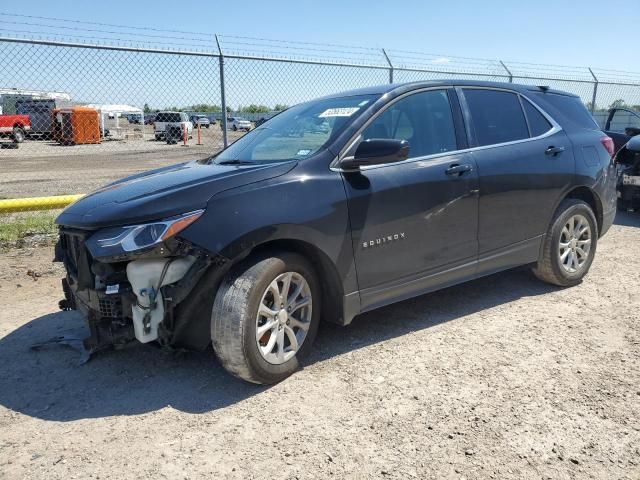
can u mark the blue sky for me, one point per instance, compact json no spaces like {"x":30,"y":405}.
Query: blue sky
{"x":557,"y":32}
{"x":543,"y":32}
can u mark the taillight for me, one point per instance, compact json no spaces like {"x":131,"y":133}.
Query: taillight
{"x":607,"y":142}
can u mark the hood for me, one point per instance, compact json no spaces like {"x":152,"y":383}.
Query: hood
{"x":163,"y":192}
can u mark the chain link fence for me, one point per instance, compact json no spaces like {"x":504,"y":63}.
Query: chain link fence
{"x":87,"y":103}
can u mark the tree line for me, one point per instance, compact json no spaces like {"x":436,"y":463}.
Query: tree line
{"x":212,"y":108}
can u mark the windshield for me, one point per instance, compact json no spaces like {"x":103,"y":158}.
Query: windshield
{"x":298,"y":132}
{"x":168,"y":117}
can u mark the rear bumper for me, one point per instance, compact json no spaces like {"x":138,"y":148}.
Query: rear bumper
{"x":26,"y":128}
{"x":607,"y":220}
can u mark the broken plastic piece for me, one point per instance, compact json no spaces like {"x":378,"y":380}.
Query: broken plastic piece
{"x":73,"y":341}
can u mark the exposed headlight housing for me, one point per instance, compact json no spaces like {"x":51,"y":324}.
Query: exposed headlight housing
{"x":112,"y":241}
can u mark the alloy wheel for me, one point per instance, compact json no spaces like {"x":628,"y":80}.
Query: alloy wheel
{"x":284,"y":317}
{"x":575,"y":243}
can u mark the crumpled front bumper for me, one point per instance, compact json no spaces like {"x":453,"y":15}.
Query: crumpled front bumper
{"x":106,"y":295}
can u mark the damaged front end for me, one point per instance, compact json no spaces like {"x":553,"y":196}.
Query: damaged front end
{"x":140,"y":283}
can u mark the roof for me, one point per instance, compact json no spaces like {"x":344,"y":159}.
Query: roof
{"x":398,"y":88}
{"x":114,"y":108}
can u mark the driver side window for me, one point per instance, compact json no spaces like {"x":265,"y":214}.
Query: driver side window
{"x":423,"y":119}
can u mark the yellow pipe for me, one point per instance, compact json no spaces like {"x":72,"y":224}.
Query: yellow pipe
{"x":12,"y":205}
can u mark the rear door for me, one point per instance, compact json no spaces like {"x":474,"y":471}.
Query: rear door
{"x":525,"y":161}
{"x":413,"y":219}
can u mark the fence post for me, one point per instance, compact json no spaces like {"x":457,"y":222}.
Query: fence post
{"x":595,"y":90}
{"x":390,"y":65}
{"x":507,"y":70}
{"x":223,"y":100}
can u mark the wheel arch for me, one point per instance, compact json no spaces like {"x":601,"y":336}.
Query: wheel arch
{"x":332,"y":288}
{"x":591,"y":198}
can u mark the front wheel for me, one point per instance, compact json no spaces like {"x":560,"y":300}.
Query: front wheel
{"x":265,"y":317}
{"x":18,"y":135}
{"x":569,"y":245}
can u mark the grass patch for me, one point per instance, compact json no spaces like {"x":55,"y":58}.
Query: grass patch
{"x":18,"y":226}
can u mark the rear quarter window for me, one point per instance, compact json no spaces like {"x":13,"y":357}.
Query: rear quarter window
{"x":571,"y":109}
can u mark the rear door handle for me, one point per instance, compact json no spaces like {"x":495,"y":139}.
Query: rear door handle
{"x":553,"y":150}
{"x":458,"y":170}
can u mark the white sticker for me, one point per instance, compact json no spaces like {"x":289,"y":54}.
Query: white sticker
{"x":111,"y":289}
{"x":303,"y":152}
{"x":339,"y":112}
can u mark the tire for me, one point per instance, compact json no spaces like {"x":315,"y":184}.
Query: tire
{"x":235,"y":318}
{"x":234,"y":128}
{"x":551,"y":268}
{"x":158,"y":138}
{"x":18,"y":135}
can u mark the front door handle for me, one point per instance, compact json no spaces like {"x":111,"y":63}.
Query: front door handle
{"x":458,"y":170}
{"x":553,"y":150}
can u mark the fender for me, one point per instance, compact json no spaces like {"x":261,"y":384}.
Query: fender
{"x":241,"y":219}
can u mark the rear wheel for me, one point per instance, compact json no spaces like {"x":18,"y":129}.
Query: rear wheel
{"x":265,"y":317}
{"x":569,"y":245}
{"x":18,"y":134}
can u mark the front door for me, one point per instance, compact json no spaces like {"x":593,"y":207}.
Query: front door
{"x":413,"y":219}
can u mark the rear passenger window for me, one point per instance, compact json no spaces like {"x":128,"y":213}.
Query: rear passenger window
{"x":497,"y":116}
{"x":423,"y":119}
{"x":537,"y":123}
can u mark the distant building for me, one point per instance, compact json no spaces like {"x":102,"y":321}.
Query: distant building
{"x":9,"y":96}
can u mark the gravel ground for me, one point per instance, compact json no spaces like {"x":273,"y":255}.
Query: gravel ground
{"x":39,"y":168}
{"x":503,"y":378}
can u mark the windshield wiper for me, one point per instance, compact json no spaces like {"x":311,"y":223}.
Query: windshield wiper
{"x":233,"y":162}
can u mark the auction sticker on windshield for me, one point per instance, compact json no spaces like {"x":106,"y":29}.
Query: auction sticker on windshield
{"x":339,"y":112}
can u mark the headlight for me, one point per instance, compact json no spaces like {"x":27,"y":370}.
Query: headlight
{"x":111,"y":241}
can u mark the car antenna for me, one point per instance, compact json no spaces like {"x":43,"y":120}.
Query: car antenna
{"x":544,"y":88}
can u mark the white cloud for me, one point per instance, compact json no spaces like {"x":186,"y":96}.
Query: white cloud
{"x":441,"y":60}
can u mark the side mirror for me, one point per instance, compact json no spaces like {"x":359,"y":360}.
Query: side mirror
{"x":633,"y":145}
{"x":377,"y":151}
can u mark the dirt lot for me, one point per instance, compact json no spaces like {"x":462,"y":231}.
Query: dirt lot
{"x":45,"y":168}
{"x":502,"y":378}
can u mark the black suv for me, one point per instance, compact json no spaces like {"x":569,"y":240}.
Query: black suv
{"x":404,"y":190}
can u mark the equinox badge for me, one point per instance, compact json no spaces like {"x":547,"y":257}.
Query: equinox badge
{"x":383,"y":240}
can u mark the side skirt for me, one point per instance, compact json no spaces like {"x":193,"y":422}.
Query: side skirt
{"x":521,"y":253}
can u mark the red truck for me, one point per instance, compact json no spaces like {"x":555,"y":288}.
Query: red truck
{"x":15,"y":126}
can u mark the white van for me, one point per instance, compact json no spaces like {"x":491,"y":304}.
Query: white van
{"x":165,"y":118}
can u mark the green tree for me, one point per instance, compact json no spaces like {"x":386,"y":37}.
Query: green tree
{"x":204,"y":107}
{"x":280,"y":106}
{"x":253,"y":108}
{"x":146,"y":108}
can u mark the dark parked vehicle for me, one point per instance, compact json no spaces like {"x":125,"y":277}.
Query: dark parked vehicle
{"x":200,"y":120}
{"x":622,"y":125}
{"x":410,"y":189}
